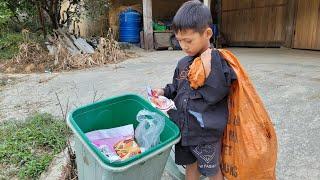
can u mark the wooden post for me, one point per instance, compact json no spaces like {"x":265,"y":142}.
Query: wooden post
{"x":290,"y":23}
{"x":218,"y":8}
{"x":207,"y":3}
{"x":147,"y":24}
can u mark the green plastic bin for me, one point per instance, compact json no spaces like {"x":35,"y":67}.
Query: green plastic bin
{"x":115,"y":112}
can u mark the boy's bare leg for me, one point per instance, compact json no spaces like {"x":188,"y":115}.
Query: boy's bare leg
{"x":218,"y":176}
{"x":192,"y":172}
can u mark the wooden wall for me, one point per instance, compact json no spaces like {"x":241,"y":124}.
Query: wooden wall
{"x":161,"y":9}
{"x":253,"y":22}
{"x":307,"y":25}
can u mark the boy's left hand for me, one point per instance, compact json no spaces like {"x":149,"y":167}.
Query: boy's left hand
{"x":206,"y":60}
{"x":157,"y":92}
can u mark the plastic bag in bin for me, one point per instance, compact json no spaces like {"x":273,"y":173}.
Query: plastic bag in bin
{"x":115,"y":143}
{"x":147,"y":133}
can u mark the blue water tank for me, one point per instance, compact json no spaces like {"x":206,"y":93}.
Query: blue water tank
{"x":130,"y":26}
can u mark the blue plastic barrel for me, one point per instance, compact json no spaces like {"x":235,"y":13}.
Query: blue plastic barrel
{"x":130,"y":26}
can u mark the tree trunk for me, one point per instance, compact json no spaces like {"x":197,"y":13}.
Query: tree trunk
{"x":42,"y":21}
{"x":48,"y":8}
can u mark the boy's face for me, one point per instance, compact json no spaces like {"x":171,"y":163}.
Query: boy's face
{"x":192,"y":42}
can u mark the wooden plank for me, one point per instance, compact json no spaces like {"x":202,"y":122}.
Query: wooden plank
{"x":236,"y":5}
{"x":271,"y":24}
{"x":315,"y":16}
{"x":245,"y":4}
{"x":280,"y":24}
{"x":224,"y":5}
{"x":147,"y":24}
{"x":276,"y":2}
{"x":306,"y":26}
{"x":262,"y":22}
{"x":259,"y":3}
{"x":246,"y":25}
{"x":265,"y":3}
{"x":229,"y":4}
{"x":317,"y":44}
{"x":253,"y":24}
{"x":290,"y":22}
{"x":224,"y":24}
{"x":256,"y":44}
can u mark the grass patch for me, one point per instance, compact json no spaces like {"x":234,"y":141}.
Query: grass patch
{"x":27,"y":148}
{"x":9,"y":45}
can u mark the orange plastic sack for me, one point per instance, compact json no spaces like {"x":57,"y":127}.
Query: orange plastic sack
{"x":249,"y":150}
{"x":197,"y":75}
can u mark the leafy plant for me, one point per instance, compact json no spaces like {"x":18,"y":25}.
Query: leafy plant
{"x":27,"y":148}
{"x":5,"y":15}
{"x":9,"y":43}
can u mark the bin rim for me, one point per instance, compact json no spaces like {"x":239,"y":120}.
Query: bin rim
{"x":80,"y":135}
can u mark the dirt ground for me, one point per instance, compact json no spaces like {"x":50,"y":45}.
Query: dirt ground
{"x":288,"y":81}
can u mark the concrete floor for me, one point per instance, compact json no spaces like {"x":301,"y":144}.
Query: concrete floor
{"x":288,"y":81}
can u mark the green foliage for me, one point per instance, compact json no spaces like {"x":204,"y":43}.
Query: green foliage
{"x":96,"y":8}
{"x":5,"y":14}
{"x":27,"y":148}
{"x":9,"y":44}
{"x":24,"y":15}
{"x":33,"y":14}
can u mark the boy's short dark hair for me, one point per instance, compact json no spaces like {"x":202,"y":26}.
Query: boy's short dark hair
{"x":192,"y":15}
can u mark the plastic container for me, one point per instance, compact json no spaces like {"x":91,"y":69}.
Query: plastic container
{"x":115,"y":112}
{"x":159,"y":27}
{"x":130,"y":26}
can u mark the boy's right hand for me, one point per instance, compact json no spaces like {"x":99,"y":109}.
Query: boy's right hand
{"x":157,"y":92}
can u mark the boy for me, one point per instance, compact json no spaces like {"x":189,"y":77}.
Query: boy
{"x":202,"y":107}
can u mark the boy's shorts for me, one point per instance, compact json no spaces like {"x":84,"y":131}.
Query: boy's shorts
{"x":207,"y":156}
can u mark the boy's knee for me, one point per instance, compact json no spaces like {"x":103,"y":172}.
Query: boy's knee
{"x":192,"y":166}
{"x":192,"y":171}
{"x":217,"y":176}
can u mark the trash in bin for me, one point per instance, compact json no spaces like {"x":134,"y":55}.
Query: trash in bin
{"x":127,"y":148}
{"x":116,"y":112}
{"x":149,"y":129}
{"x":110,"y":141}
{"x":119,"y":144}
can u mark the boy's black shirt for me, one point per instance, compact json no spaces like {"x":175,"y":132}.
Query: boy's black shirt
{"x":211,"y":100}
